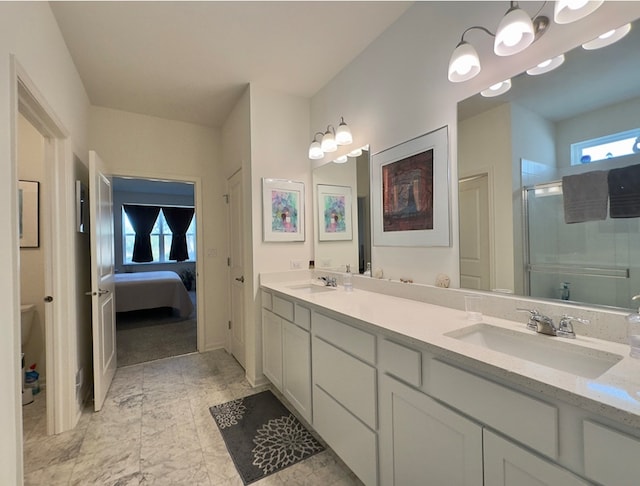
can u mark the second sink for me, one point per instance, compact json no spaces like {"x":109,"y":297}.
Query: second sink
{"x":540,"y":349}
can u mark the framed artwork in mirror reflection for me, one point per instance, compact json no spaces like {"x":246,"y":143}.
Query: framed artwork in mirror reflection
{"x":282,"y":210}
{"x":410,"y":184}
{"x":334,"y":213}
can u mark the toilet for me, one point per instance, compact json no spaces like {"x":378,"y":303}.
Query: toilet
{"x":27,"y":311}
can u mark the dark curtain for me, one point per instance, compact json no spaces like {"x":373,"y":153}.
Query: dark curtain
{"x":142,"y":218}
{"x":178,"y":220}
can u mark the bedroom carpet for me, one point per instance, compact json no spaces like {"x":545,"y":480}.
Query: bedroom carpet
{"x":147,"y":335}
{"x":262,"y":436}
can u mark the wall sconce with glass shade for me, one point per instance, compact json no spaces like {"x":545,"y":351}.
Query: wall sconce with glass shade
{"x":330,"y":140}
{"x":547,"y":66}
{"x":497,"y":89}
{"x":567,"y":11}
{"x":516,"y":31}
{"x":607,"y":38}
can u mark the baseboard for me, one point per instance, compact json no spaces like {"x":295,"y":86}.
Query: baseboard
{"x":259,"y":381}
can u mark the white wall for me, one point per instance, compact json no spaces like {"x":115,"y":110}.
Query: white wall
{"x":27,"y":30}
{"x":148,"y":147}
{"x":279,"y":128}
{"x":398,"y":89}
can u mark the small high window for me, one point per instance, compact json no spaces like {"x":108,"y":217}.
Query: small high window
{"x":607,"y":147}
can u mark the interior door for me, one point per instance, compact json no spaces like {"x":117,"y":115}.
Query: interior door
{"x":102,"y":279}
{"x":475,"y":252}
{"x":236,"y":270}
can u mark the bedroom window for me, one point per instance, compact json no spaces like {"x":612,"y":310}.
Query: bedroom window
{"x":161,"y":237}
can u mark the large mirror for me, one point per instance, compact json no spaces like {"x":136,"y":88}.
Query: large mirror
{"x":513,"y":152}
{"x":342,"y":218}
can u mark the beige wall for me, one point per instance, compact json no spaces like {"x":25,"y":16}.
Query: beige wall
{"x":146,"y":146}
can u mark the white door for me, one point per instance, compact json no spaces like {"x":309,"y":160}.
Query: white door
{"x":475,"y":252}
{"x":236,"y":270}
{"x":102,"y":279}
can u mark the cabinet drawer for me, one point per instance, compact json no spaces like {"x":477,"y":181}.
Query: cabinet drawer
{"x":610,"y":457}
{"x":519,"y":416}
{"x":359,"y":343}
{"x":354,"y":443}
{"x":348,"y":380}
{"x":302,"y":317}
{"x":401,"y":362}
{"x":283,"y":308}
{"x":266,"y":299}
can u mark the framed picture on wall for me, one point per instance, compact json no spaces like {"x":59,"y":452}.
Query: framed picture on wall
{"x":28,"y":213}
{"x":334,"y":213}
{"x":410,"y":189}
{"x":282,"y":210}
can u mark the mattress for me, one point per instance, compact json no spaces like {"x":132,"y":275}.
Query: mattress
{"x":149,"y":290}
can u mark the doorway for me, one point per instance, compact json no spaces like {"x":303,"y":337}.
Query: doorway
{"x":34,"y":261}
{"x":156,"y":296}
{"x":475,"y":244}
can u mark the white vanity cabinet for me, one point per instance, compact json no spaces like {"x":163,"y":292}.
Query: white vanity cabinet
{"x":423,"y":442}
{"x":507,"y":464}
{"x":286,"y":351}
{"x":344,"y":393}
{"x":443,"y":423}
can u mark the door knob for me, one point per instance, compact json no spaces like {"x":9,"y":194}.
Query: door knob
{"x":240,"y":279}
{"x":48,"y":298}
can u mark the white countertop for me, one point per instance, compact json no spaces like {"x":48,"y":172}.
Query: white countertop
{"x":615,"y":394}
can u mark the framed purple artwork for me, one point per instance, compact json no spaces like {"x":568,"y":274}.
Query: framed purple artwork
{"x":283,"y":210}
{"x":410,"y":193}
{"x":334,"y":213}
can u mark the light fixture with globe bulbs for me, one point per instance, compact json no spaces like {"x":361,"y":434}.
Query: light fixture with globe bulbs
{"x":330,"y":140}
{"x":517,"y":31}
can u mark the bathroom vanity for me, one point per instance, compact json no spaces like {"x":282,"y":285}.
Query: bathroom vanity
{"x":411,"y":393}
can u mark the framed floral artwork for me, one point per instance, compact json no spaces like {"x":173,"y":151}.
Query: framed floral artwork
{"x":410,"y":193}
{"x":283,"y":210}
{"x":334,"y":213}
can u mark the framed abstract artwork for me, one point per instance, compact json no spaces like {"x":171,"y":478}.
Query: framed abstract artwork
{"x":410,"y":193}
{"x":283,"y":210}
{"x":28,"y":213}
{"x":334,"y":213}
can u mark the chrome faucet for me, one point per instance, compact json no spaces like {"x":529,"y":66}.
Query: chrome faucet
{"x":329,"y":281}
{"x":565,"y":327}
{"x":544,"y":324}
{"x":539,"y":322}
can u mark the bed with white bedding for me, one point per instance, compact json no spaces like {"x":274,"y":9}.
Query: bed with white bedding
{"x":149,"y":290}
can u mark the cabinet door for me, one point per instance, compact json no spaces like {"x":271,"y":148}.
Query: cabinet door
{"x":296,"y":358}
{"x":506,"y":464}
{"x":272,"y":347}
{"x":423,"y":442}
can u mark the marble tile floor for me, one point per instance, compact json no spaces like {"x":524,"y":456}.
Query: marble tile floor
{"x":156,"y":429}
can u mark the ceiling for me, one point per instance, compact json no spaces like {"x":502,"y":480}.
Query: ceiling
{"x":191,"y":61}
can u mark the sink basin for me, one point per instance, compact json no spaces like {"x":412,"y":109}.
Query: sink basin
{"x":312,"y":288}
{"x":549,"y":351}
